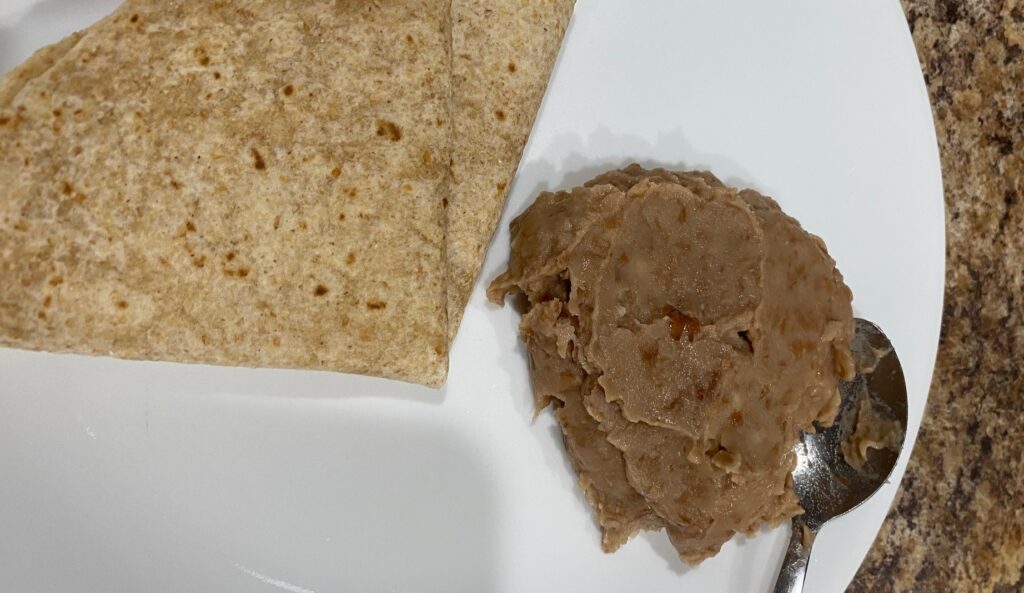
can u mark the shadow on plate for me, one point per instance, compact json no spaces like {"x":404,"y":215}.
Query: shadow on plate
{"x":123,"y":493}
{"x":581,"y":159}
{"x":196,"y":380}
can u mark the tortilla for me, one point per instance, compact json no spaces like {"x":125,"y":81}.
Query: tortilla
{"x":239,"y":183}
{"x":502,"y":56}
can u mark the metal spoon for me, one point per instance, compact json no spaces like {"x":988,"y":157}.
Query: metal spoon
{"x":828,"y":486}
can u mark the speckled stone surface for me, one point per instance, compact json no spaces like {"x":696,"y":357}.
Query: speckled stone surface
{"x":958,"y":521}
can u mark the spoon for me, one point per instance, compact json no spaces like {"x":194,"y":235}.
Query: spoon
{"x":827,"y":485}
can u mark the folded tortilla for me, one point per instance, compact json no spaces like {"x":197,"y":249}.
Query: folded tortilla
{"x":243,"y":183}
{"x":502,"y":56}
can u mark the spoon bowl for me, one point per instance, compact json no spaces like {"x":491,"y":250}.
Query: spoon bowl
{"x":838,"y":468}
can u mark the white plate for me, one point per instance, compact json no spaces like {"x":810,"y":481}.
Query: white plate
{"x":126,"y":476}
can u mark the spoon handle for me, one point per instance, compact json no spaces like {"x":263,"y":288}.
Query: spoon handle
{"x":794,"y":565}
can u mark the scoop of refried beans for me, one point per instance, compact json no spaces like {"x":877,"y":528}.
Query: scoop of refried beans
{"x":685,"y":333}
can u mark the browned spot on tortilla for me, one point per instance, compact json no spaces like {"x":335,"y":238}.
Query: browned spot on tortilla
{"x":344,"y":321}
{"x":426,"y":156}
{"x":350,"y":258}
{"x":257,"y":160}
{"x":190,"y":226}
{"x":122,"y":304}
{"x":500,"y":115}
{"x":336,"y":172}
{"x":682,"y":215}
{"x":320,"y":290}
{"x":736,"y":418}
{"x":376,"y":305}
{"x":47,"y":300}
{"x":56,"y":281}
{"x":288,"y":90}
{"x":388,"y":129}
{"x":134,"y":19}
{"x":512,"y":67}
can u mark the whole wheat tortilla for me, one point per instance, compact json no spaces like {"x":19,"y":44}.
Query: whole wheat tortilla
{"x":247,"y":183}
{"x":502,"y":56}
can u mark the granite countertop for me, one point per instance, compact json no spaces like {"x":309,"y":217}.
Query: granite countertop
{"x":958,"y":522}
